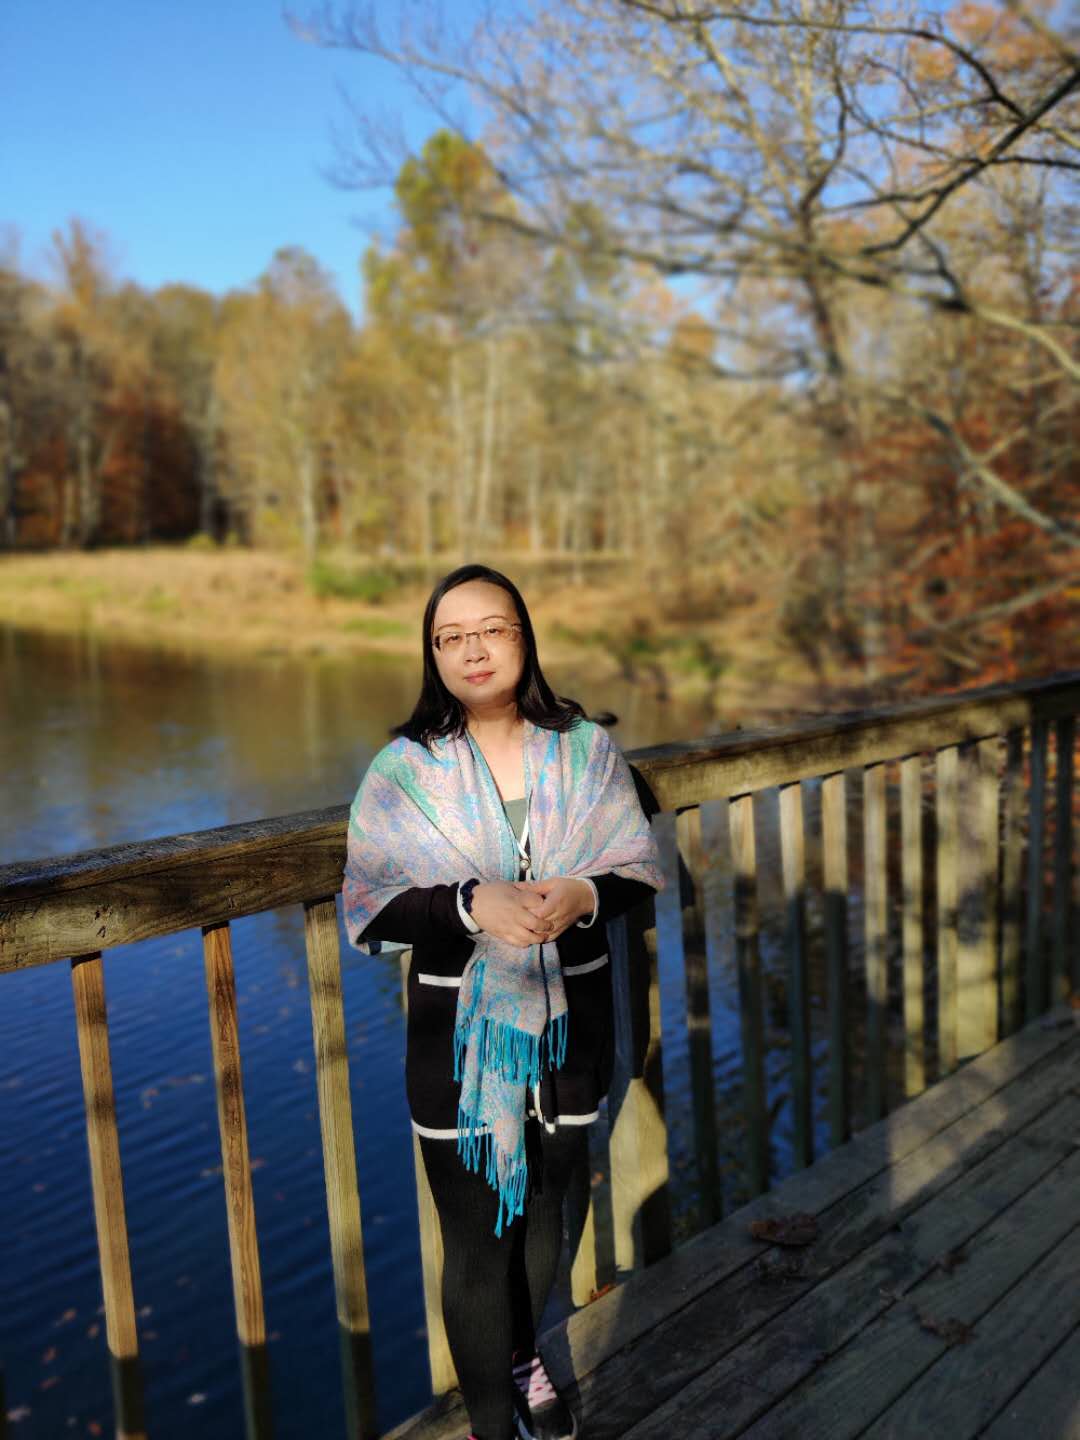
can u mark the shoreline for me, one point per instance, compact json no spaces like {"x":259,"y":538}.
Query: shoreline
{"x":259,"y":606}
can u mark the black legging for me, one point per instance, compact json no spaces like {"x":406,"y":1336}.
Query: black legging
{"x":494,"y":1289}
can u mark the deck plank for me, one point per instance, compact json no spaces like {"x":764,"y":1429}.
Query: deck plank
{"x":693,"y":1307}
{"x":803,"y":1336}
{"x":784,"y":1313}
{"x":844,"y":1398}
{"x":1048,"y":1407}
{"x":967,"y":1384}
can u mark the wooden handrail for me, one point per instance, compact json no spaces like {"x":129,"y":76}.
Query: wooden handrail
{"x":53,"y":909}
{"x":972,"y":745}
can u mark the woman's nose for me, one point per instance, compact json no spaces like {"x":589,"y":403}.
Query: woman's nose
{"x":475,"y":649}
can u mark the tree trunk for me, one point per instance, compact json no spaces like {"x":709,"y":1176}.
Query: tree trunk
{"x":8,"y":476}
{"x":482,"y":516}
{"x":309,"y":519}
{"x":206,"y":463}
{"x":463,"y":480}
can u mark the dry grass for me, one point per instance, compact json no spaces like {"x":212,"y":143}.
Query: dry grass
{"x":246,"y":602}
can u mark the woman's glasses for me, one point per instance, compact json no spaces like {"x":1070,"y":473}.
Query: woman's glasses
{"x":497,"y":632}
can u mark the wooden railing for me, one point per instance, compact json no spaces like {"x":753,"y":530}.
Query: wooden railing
{"x":977,"y":765}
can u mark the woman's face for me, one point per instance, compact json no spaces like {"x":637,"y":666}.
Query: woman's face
{"x":481,"y":670}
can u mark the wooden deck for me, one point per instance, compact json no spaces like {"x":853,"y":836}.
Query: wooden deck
{"x":941,"y":1296}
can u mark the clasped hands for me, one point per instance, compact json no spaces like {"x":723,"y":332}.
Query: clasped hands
{"x":526,"y":912}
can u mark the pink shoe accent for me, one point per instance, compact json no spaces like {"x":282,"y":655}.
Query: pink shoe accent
{"x":534,"y":1382}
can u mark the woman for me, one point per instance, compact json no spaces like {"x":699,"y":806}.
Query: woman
{"x":495,"y":835}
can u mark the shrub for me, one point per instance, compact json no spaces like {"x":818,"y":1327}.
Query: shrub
{"x":372,"y":586}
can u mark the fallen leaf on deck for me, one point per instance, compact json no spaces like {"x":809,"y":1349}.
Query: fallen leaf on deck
{"x":953,"y":1332}
{"x":799,"y":1228}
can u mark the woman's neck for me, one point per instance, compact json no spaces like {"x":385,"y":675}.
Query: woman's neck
{"x":495,"y":727}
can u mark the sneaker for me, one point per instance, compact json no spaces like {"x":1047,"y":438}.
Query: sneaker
{"x":542,"y":1412}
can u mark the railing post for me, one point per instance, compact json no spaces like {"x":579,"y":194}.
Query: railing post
{"x":977,"y":869}
{"x":835,"y":876}
{"x":440,"y":1361}
{"x":236,"y":1171}
{"x":913,"y":938}
{"x":1035,"y":960}
{"x":793,"y":862}
{"x":748,"y":960}
{"x":339,"y":1163}
{"x":875,"y":898}
{"x":640,"y":1203}
{"x":689,"y":962}
{"x":107,"y":1184}
{"x":1064,"y":969}
{"x":946,"y":802}
{"x":1011,"y":879}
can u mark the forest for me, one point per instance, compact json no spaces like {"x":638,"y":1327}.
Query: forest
{"x":720,"y":304}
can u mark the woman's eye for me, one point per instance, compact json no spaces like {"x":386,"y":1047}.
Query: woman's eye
{"x":493,"y":632}
{"x":450,"y":641}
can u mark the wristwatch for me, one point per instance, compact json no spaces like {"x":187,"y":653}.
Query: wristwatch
{"x":465,"y":894}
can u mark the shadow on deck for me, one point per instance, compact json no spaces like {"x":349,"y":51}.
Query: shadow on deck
{"x":941,"y":1295}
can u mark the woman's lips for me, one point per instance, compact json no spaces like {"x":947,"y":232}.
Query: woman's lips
{"x":476,"y":679}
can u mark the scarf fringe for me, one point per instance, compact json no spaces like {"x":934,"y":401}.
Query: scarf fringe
{"x":508,"y":1052}
{"x":476,"y":1145}
{"x":519,"y":1058}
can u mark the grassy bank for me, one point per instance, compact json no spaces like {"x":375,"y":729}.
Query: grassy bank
{"x":240,"y":602}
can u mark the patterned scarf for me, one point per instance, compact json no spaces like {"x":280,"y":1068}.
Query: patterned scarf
{"x":425,"y":817}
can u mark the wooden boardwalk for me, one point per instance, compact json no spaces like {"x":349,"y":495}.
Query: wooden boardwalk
{"x":940,"y":1297}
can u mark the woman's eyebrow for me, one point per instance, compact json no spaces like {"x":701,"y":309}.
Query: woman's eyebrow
{"x":460,"y":624}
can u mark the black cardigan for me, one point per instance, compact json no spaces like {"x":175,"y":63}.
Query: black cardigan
{"x":427,"y":919}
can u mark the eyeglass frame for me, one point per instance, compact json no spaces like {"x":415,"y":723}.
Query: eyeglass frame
{"x":514,"y":626}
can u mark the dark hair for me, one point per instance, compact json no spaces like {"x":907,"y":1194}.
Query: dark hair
{"x":437,"y":713}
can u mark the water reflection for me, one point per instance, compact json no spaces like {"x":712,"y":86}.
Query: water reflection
{"x":103,"y":743}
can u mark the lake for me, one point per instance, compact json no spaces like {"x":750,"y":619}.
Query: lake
{"x":101,"y":743}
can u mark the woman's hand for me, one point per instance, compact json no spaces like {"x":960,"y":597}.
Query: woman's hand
{"x":510,"y":912}
{"x":566,"y":901}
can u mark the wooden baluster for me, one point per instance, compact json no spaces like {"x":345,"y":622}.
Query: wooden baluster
{"x":107,"y":1185}
{"x":440,"y":1361}
{"x":640,"y":1202}
{"x":1011,"y":879}
{"x":1063,"y":974}
{"x":588,"y":1204}
{"x":236,"y":1169}
{"x":718,"y":896}
{"x":339,"y":1163}
{"x":946,"y":813}
{"x":689,"y":962}
{"x":913,"y":942}
{"x":793,"y":862}
{"x":875,"y":897}
{"x":835,"y":876}
{"x":718,"y":890}
{"x":688,"y":833}
{"x":977,"y":869}
{"x":744,"y":859}
{"x":1036,"y":987}
{"x":581,"y":1226}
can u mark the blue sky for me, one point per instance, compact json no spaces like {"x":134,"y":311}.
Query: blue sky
{"x":191,"y":132}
